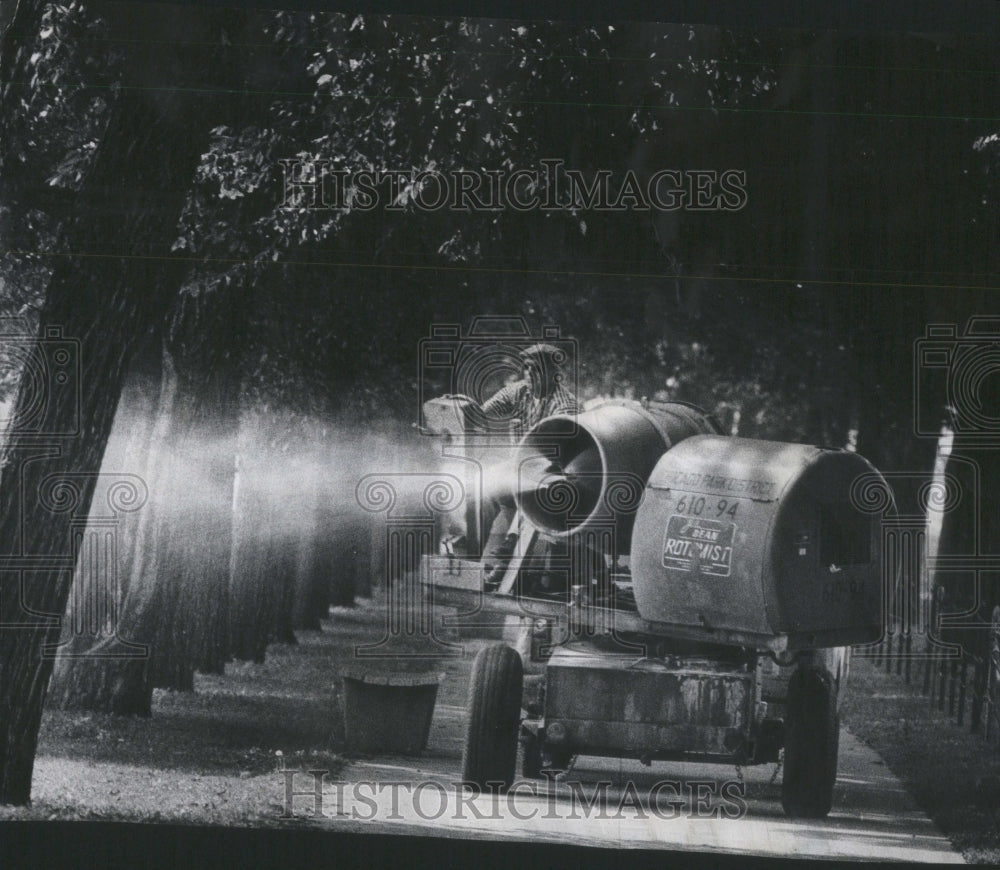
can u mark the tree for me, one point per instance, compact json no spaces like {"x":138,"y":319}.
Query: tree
{"x":110,"y":289}
{"x":108,"y":669}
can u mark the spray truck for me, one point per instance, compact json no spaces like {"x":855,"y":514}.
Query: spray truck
{"x":680,"y":594}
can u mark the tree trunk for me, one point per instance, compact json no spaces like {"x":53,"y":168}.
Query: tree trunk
{"x":280,"y":577}
{"x":103,"y":313}
{"x":194,"y":566}
{"x":279,"y":542}
{"x":102,"y":298}
{"x":349,"y":534}
{"x":251,"y":598}
{"x":82,"y":680}
{"x":209,"y":584}
{"x":314,"y":564}
{"x":179,"y":592}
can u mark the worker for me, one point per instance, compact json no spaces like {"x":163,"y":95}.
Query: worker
{"x":540,"y":393}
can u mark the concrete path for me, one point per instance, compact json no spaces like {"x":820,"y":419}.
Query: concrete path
{"x":705,"y":808}
{"x":668,"y":805}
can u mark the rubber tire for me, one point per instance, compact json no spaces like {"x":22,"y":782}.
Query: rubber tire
{"x":812,"y":739}
{"x":531,"y":758}
{"x":556,"y":761}
{"x":490,"y":755}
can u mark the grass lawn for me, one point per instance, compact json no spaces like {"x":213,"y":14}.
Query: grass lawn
{"x":953,"y":774}
{"x":216,"y":755}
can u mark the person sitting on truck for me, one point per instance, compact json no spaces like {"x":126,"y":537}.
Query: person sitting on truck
{"x":539,"y":394}
{"x":520,"y":405}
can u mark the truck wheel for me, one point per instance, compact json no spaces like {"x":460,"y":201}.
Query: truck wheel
{"x":556,"y":760}
{"x":531,"y":758}
{"x":812,"y":738}
{"x":494,"y":716}
{"x":539,"y":763}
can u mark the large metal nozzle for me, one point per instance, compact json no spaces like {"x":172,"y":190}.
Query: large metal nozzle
{"x":590,"y":471}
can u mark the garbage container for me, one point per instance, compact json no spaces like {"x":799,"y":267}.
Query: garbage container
{"x":389,"y":713}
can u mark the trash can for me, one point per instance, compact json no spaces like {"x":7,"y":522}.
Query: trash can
{"x":389,"y":713}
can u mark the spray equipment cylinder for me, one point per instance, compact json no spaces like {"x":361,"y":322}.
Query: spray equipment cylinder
{"x":764,"y":540}
{"x":585,"y":472}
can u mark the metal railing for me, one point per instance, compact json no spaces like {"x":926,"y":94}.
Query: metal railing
{"x":963,"y":683}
